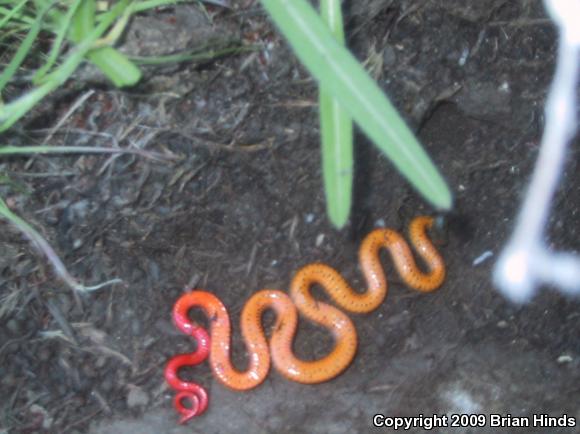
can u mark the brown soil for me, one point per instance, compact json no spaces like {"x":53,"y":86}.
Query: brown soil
{"x":242,"y":208}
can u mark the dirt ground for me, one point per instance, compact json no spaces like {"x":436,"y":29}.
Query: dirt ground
{"x":241,"y":207}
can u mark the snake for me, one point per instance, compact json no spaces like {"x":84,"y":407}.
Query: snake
{"x":187,"y":391}
{"x":279,"y":351}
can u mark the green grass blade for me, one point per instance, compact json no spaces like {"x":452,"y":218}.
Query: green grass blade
{"x":23,"y":50}
{"x":44,"y":149}
{"x":116,"y":66}
{"x":83,"y":21}
{"x":344,"y":78}
{"x":9,"y":14}
{"x":335,"y":134}
{"x":63,"y":28}
{"x":145,"y":5}
{"x":17,"y":17}
{"x":11,"y":112}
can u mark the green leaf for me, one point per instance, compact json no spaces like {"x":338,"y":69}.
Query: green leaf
{"x":336,"y":135}
{"x":9,"y":14}
{"x":83,"y":21}
{"x":341,"y":75}
{"x":114,"y":64}
{"x":64,"y":24}
{"x":23,"y":49}
{"x":14,"y":110}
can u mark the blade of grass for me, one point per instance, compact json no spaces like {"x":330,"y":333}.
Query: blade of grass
{"x":144,"y":5}
{"x":83,"y":21}
{"x":63,"y":28}
{"x":23,"y":49}
{"x":115,"y":65}
{"x":33,"y":150}
{"x":37,"y":240}
{"x":7,"y":35}
{"x":18,"y":19}
{"x":11,"y":13}
{"x":335,"y":134}
{"x":341,"y":75}
{"x":11,"y":112}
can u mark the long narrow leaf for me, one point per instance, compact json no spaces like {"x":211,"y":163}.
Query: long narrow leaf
{"x":11,"y":112}
{"x":344,"y":78}
{"x":45,"y":149}
{"x":83,"y":21}
{"x":114,"y":64}
{"x":63,"y":28}
{"x":335,"y":134}
{"x":10,"y":13}
{"x":23,"y":50}
{"x":38,"y":241}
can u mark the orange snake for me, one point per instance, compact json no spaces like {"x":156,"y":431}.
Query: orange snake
{"x":342,"y":328}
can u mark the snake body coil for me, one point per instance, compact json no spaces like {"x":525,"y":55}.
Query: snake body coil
{"x":286,"y":308}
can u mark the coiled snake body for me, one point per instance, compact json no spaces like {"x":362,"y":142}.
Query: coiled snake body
{"x":279,"y":351}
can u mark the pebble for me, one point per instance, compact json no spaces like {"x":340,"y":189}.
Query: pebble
{"x":153,"y":271}
{"x":136,"y":326}
{"x":319,"y":240}
{"x":9,"y":380}
{"x":502,"y":324}
{"x":14,"y":326}
{"x":137,"y":397}
{"x":389,"y":55}
{"x":100,"y":362}
{"x":565,"y":358}
{"x":47,"y":421}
